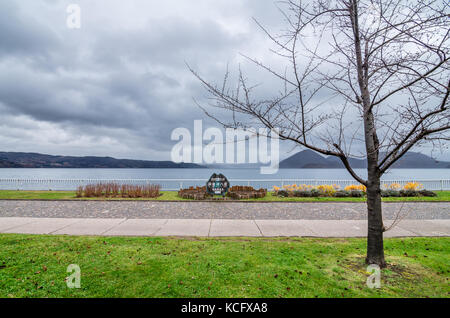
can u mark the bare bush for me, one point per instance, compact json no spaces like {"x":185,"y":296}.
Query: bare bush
{"x":114,"y":190}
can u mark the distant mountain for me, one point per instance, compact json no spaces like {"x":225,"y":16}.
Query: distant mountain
{"x":236,"y":166}
{"x":8,"y":164}
{"x":310,"y":159}
{"x":36,"y":160}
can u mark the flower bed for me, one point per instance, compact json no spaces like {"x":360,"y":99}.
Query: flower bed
{"x":411,"y":189}
{"x":306,"y":191}
{"x":114,"y":190}
{"x":236,"y":193}
{"x":198,"y":193}
{"x":245,"y":193}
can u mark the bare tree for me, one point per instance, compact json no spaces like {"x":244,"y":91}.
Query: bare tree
{"x":372,"y":72}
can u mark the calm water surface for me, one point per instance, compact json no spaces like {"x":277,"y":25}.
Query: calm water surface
{"x":329,"y":174}
{"x":246,"y":174}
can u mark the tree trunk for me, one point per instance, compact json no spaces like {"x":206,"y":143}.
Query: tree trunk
{"x":375,"y":249}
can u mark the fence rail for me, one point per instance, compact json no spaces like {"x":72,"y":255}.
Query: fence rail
{"x":176,"y":184}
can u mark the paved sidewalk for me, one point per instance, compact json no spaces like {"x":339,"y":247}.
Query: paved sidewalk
{"x":216,"y":227}
{"x":219,"y":210}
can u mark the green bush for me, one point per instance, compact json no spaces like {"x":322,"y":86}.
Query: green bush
{"x":315,"y":193}
{"x":283,"y":193}
{"x":342,"y":194}
{"x":302,"y":194}
{"x":427,"y":193}
{"x":409,"y":193}
{"x":356,"y":194}
{"x":390,"y":193}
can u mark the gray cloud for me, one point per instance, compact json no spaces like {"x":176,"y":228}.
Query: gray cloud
{"x":119,"y":85}
{"x":128,"y":84}
{"x":23,"y":35}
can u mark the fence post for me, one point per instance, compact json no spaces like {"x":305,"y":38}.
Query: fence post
{"x":442,"y":185}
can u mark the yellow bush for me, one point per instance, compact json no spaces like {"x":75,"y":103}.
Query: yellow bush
{"x":304,"y":187}
{"x":413,"y":186}
{"x":356,"y":187}
{"x":330,"y":190}
{"x":288,"y":187}
{"x":393,"y":186}
{"x":326,"y":189}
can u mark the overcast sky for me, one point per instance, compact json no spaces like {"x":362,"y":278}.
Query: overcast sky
{"x":119,"y":85}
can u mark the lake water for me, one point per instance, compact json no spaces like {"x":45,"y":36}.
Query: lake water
{"x":243,"y":174}
{"x":329,"y":174}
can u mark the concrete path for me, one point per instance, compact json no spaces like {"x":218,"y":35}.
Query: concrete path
{"x":216,"y":227}
{"x":219,"y":210}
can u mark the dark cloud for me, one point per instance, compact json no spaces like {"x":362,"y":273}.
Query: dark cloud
{"x":128,"y":84}
{"x":21,"y":34}
{"x":119,"y":85}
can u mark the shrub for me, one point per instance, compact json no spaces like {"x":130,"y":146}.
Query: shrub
{"x":198,"y":193}
{"x":342,"y":194}
{"x":356,"y":187}
{"x":246,"y":192}
{"x":427,"y":193}
{"x":326,"y":190}
{"x":79,"y":192}
{"x":98,"y":190}
{"x":302,"y":194}
{"x":414,"y":186}
{"x":323,"y":190}
{"x":293,"y":188}
{"x":115,"y":190}
{"x":356,"y":194}
{"x":390,"y":193}
{"x":409,"y":193}
{"x":297,"y":193}
{"x":89,"y":191}
{"x":283,"y":193}
{"x":393,"y":186}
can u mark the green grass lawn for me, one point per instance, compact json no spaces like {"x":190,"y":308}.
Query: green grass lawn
{"x":35,"y":266}
{"x":172,"y":196}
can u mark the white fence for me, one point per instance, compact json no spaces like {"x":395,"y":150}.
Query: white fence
{"x":176,"y":184}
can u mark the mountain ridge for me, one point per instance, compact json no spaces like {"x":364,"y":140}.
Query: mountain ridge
{"x":37,"y":160}
{"x":308,"y":159}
